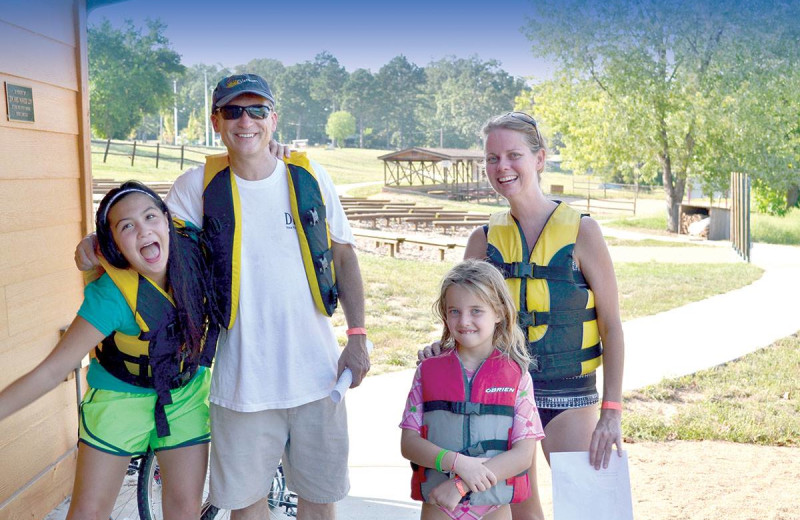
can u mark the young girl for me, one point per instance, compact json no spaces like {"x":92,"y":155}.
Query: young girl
{"x":470,"y":425}
{"x":146,"y":321}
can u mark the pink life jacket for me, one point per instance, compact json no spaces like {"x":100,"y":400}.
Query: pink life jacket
{"x":471,"y":417}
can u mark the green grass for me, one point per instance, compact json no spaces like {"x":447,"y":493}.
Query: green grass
{"x":400,"y":294}
{"x":345,"y":165}
{"x":776,"y":230}
{"x":755,"y":399}
{"x":650,"y":288}
{"x":648,"y":242}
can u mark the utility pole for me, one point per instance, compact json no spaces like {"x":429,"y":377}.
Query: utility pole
{"x":175,"y":108}
{"x":205,"y":95}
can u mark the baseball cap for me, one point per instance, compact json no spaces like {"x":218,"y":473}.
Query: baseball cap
{"x":233,"y":86}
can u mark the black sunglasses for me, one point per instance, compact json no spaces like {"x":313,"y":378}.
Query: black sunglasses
{"x":236,"y":111}
{"x":525,"y":118}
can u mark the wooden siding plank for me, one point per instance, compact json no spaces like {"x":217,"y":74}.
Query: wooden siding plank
{"x":45,"y":494}
{"x":35,"y":56}
{"x":47,"y":430}
{"x":3,"y":314}
{"x":28,"y":154}
{"x":54,"y":107}
{"x":27,"y":205}
{"x":58,"y":25}
{"x":49,"y":299}
{"x":22,"y":354}
{"x":37,"y":252}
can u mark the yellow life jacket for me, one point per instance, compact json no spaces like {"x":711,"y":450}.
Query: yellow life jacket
{"x":223,"y":232}
{"x":157,"y":357}
{"x":555,"y":305}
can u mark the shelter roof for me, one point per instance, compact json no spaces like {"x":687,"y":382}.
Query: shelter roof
{"x":433,"y":154}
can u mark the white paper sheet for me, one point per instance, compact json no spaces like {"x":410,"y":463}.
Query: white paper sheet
{"x":581,"y":492}
{"x":345,"y":380}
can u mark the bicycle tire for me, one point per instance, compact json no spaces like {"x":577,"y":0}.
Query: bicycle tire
{"x":149,"y":488}
{"x":126,"y":505}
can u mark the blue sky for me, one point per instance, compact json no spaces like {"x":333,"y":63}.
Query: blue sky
{"x":359,"y":34}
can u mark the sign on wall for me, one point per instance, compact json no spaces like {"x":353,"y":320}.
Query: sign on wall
{"x":19,"y":101}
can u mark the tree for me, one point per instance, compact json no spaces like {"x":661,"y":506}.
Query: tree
{"x":300,"y":116}
{"x":361,"y":97}
{"x":400,"y":83}
{"x":651,"y":87}
{"x":464,"y":93}
{"x":130,"y":75}
{"x":341,"y":125}
{"x":329,"y":80}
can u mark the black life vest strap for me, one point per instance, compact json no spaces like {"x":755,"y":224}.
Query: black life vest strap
{"x":468,"y":408}
{"x":542,"y":272}
{"x":555,"y":318}
{"x":551,"y":362}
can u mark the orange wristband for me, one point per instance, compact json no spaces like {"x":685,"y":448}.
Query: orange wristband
{"x":356,"y":330}
{"x":611,"y":405}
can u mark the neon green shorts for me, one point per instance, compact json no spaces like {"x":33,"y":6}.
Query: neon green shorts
{"x":123,"y":424}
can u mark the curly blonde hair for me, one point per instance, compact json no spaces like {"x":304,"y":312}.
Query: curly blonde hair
{"x":487,"y":284}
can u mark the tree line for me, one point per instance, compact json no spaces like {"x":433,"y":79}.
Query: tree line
{"x":137,"y":81}
{"x":647,"y":92}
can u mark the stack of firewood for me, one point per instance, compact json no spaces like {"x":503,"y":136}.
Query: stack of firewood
{"x":689,"y":219}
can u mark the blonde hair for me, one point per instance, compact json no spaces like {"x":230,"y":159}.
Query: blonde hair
{"x":487,"y":284}
{"x":518,"y":122}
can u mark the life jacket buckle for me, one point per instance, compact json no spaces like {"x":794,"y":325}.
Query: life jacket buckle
{"x":313,"y":217}
{"x":526,"y":319}
{"x":322,"y":264}
{"x":519,"y":270}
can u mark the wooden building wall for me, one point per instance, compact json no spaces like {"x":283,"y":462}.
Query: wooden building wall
{"x":45,"y":183}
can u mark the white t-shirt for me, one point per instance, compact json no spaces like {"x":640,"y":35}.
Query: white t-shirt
{"x":281,"y":351}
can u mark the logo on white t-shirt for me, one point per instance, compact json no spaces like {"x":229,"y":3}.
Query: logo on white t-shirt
{"x":289,"y":220}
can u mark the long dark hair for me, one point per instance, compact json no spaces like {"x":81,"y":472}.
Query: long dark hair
{"x":185,"y":265}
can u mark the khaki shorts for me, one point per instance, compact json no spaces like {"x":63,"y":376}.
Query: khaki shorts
{"x":123,"y":424}
{"x":311,"y":440}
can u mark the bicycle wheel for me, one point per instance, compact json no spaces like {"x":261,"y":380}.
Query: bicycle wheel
{"x":126,"y":505}
{"x":149,"y":488}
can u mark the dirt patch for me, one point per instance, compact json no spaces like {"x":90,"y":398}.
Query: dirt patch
{"x":709,"y":480}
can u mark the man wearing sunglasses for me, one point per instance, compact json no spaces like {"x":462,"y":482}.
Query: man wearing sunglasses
{"x":275,"y":370}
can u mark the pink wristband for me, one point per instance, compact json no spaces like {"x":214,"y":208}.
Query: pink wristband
{"x":356,"y":330}
{"x":611,"y":405}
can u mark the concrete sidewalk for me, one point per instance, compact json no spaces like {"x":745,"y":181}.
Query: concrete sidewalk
{"x":676,"y":342}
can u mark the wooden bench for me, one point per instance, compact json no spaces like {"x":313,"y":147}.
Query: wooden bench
{"x":445,"y":224}
{"x":442,"y":245}
{"x":392,"y":240}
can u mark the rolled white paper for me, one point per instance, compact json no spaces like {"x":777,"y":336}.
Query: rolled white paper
{"x":345,"y":380}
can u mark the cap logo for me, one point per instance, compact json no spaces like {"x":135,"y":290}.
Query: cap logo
{"x":238,"y":81}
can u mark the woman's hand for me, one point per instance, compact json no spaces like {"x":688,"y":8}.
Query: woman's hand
{"x":607,"y":433}
{"x":432,"y":350}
